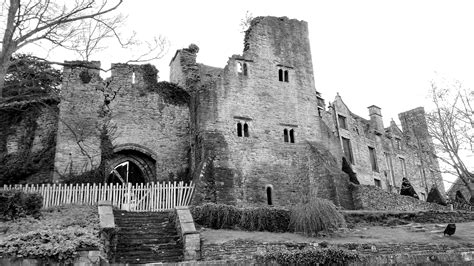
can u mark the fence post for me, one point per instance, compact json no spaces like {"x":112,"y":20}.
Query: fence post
{"x":129,"y":191}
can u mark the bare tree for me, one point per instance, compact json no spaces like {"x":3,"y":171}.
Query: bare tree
{"x":451,"y":125}
{"x":77,"y":25}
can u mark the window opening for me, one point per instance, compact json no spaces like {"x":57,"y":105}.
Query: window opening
{"x":292,"y":136}
{"x":377,"y":182}
{"x":280,"y":75}
{"x":398,"y":144}
{"x":346,"y":146}
{"x":342,"y":121}
{"x":286,"y":75}
{"x":269,"y":196}
{"x":239,"y":129}
{"x":133,"y":77}
{"x":423,"y":196}
{"x":246,"y":130}
{"x":239,"y":67}
{"x":245,"y":71}
{"x":389,"y":166}
{"x":285,"y":135}
{"x":373,"y":159}
{"x":403,"y":167}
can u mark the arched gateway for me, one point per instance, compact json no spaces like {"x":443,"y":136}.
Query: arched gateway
{"x":131,"y":164}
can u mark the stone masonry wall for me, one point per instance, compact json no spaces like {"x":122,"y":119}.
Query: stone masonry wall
{"x":144,"y":119}
{"x":368,"y":197}
{"x":27,"y":140}
{"x":248,"y":91}
{"x":141,"y":123}
{"x":78,"y":137}
{"x":421,"y":167}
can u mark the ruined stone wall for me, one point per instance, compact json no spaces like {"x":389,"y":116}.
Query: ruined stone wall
{"x":249,"y":91}
{"x":78,"y":136}
{"x":141,"y":122}
{"x":374,"y":198}
{"x":415,"y":127}
{"x":27,"y":140}
{"x":144,"y":119}
{"x":422,"y":169}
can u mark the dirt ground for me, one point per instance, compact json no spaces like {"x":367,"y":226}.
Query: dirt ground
{"x":410,"y":233}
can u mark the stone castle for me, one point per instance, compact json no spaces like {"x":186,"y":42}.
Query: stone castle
{"x":254,"y":132}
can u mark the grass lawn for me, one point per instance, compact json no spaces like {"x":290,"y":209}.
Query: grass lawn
{"x":410,"y":233}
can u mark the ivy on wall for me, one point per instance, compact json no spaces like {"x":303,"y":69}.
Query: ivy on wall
{"x":171,"y":93}
{"x":26,"y":164}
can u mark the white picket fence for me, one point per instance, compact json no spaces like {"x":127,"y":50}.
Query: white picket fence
{"x":139,"y":197}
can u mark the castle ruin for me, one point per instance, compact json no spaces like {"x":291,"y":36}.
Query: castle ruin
{"x":254,"y":132}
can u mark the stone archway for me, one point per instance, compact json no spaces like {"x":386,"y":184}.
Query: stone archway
{"x":130,"y":166}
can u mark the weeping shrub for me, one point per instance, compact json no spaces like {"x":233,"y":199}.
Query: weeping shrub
{"x":435,"y":196}
{"x":315,"y":216}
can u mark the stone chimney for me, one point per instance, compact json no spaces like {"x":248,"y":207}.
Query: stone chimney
{"x":376,"y":118}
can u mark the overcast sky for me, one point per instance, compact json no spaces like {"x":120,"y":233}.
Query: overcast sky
{"x":372,"y":52}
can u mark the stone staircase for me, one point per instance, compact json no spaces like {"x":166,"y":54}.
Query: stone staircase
{"x":146,"y":237}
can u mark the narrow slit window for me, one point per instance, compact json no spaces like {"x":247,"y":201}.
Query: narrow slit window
{"x":269,"y":196}
{"x":239,"y":130}
{"x":280,"y":75}
{"x":286,"y":75}
{"x":285,"y":135}
{"x":246,"y":130}
{"x":292,"y":136}
{"x":133,"y":77}
{"x":244,"y":68}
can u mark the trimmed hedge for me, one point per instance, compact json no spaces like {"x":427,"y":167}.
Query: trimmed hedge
{"x":220,"y":216}
{"x":16,"y":203}
{"x":307,"y":256}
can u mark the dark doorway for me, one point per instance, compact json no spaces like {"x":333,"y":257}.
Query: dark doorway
{"x":126,"y":172}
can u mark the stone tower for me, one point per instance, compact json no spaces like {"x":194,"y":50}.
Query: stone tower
{"x":256,"y":124}
{"x":415,"y":126}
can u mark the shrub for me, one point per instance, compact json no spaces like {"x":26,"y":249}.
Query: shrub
{"x":59,"y":245}
{"x":16,"y":203}
{"x":315,"y":216}
{"x":62,"y":217}
{"x":307,"y":256}
{"x":264,"y":219}
{"x":220,"y":216}
{"x":435,"y":196}
{"x":216,"y":216}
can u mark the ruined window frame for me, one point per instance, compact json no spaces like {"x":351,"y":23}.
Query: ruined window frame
{"x":373,"y":159}
{"x":348,"y":152}
{"x":403,"y":166}
{"x":245,"y":69}
{"x":280,"y":75}
{"x":239,"y":67}
{"x":292,"y":135}
{"x":342,"y":121}
{"x":285,"y":135}
{"x":286,"y":76}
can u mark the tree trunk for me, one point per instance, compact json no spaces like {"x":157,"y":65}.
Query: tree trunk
{"x":3,"y":72}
